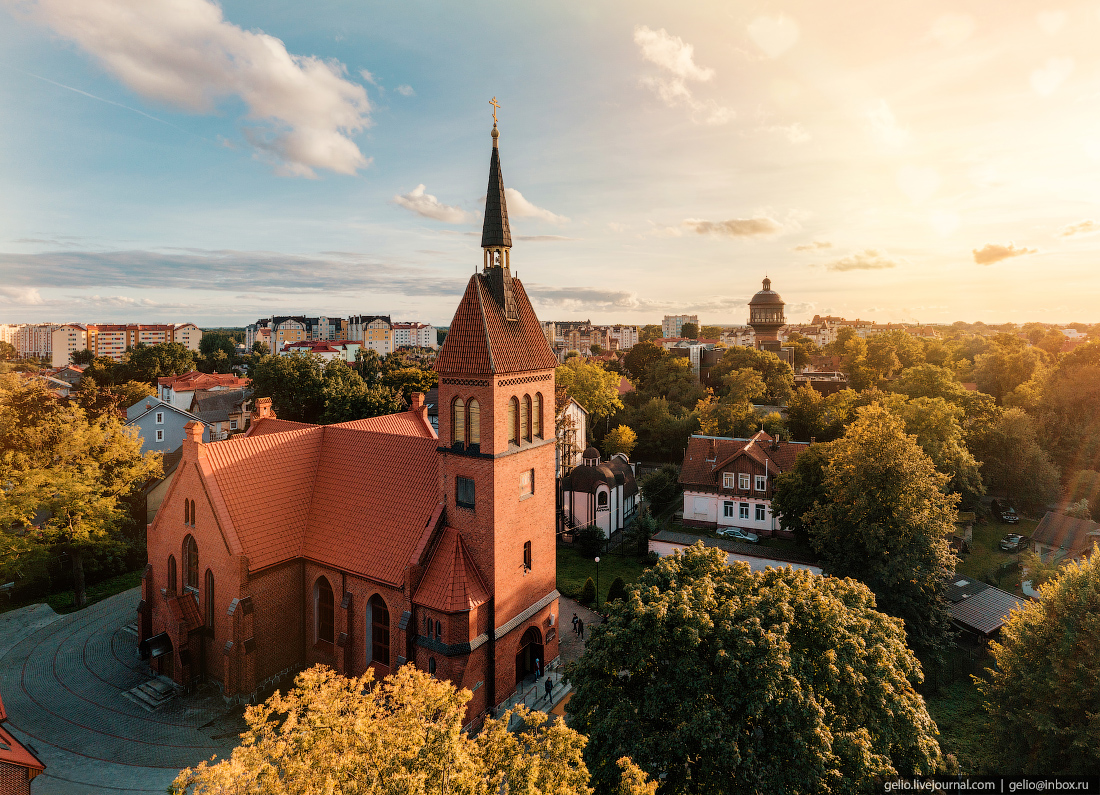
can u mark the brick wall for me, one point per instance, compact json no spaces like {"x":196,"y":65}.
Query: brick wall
{"x":14,"y":779}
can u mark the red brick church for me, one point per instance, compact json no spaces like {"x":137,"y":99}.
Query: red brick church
{"x":376,"y":543}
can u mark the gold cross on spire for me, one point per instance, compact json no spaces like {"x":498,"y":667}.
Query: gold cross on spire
{"x":496,"y":107}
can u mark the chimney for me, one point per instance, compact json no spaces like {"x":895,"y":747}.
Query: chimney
{"x":416,"y":401}
{"x":263,"y":410}
{"x":192,"y":439}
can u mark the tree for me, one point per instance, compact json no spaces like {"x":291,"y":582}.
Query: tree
{"x":663,"y":429}
{"x":260,"y":347}
{"x":617,"y":590}
{"x":102,"y":370}
{"x":8,"y":351}
{"x":777,"y":374}
{"x":1004,"y":368}
{"x":802,"y":349}
{"x":82,"y":357}
{"x":723,"y":680}
{"x":150,"y":362}
{"x":1070,"y":410}
{"x":726,"y":417}
{"x":595,"y":349}
{"x":806,"y":413}
{"x":1042,"y":692}
{"x":588,"y":592}
{"x":406,"y":380}
{"x":674,"y":379}
{"x":883,"y":518}
{"x":640,"y":531}
{"x":662,"y":487}
{"x":710,"y":332}
{"x":1013,"y":463}
{"x":99,"y":401}
{"x":797,"y":490}
{"x":1085,"y":485}
{"x":65,"y":479}
{"x":305,"y":388}
{"x":1079,"y":510}
{"x":640,"y":359}
{"x":690,"y":331}
{"x":590,"y":385}
{"x":332,"y":734}
{"x":621,"y":440}
{"x":649,"y":333}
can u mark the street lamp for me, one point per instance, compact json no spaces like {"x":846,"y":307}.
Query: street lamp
{"x":597,"y":582}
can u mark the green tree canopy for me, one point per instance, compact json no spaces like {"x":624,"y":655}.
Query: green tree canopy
{"x":1042,"y":693}
{"x":1014,"y":465}
{"x":663,"y":429}
{"x":590,"y":385}
{"x":641,"y":357}
{"x":882,"y":517}
{"x":723,"y":680}
{"x":806,"y":413}
{"x":710,"y":332}
{"x":217,"y":341}
{"x":332,"y":734}
{"x":1005,"y":367}
{"x":621,"y":440}
{"x":150,"y":362}
{"x":1070,"y":410}
{"x":305,"y":388}
{"x":777,"y":374}
{"x":82,"y":357}
{"x":726,"y":417}
{"x":674,"y":379}
{"x":406,"y":380}
{"x":650,"y":332}
{"x":689,"y":330}
{"x":7,"y":351}
{"x":98,"y":401}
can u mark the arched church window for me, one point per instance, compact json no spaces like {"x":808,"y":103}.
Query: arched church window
{"x":379,"y":631}
{"x":187,"y":511}
{"x":431,"y":666}
{"x":325,"y":610}
{"x":536,"y":416}
{"x":601,"y":499}
{"x":513,"y":421}
{"x":458,"y":420}
{"x":190,"y":562}
{"x":171,"y":573}
{"x":474,"y":413}
{"x":209,"y":599}
{"x":525,"y":419}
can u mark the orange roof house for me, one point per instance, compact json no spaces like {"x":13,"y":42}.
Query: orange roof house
{"x":379,"y":542}
{"x":18,"y":764}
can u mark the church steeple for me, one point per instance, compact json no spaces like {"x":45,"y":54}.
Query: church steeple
{"x":496,"y":237}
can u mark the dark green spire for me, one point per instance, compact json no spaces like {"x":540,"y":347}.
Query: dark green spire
{"x":495,"y":232}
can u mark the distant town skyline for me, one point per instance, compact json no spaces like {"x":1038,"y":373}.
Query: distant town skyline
{"x":219,"y":163}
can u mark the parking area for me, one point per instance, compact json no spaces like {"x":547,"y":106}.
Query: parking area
{"x":63,"y":680}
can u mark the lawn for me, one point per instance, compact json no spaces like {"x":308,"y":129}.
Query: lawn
{"x":62,"y":602}
{"x":957,"y":710}
{"x":573,"y":570}
{"x":985,"y":558}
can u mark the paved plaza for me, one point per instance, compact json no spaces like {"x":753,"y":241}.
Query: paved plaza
{"x":62,"y":679}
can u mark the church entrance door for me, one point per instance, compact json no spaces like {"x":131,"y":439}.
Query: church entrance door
{"x":530,"y":649}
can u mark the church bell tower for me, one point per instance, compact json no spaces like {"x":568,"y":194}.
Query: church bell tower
{"x":497,"y":456}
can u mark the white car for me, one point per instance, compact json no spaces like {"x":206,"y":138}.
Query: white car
{"x":738,"y":534}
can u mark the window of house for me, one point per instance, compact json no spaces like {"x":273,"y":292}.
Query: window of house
{"x":191,"y":562}
{"x":438,"y":630}
{"x":727,"y":509}
{"x":743,"y":511}
{"x":209,"y":599}
{"x":473,"y":412}
{"x":464,"y":492}
{"x":601,"y":499}
{"x":431,"y":666}
{"x":379,"y":630}
{"x":326,"y":611}
{"x":526,"y":482}
{"x":232,"y":425}
{"x":172,"y":573}
{"x":458,"y":421}
{"x":761,"y":513}
{"x":513,"y":421}
{"x":727,"y":480}
{"x":536,"y":416}
{"x":761,"y":483}
{"x":160,"y":436}
{"x":525,"y":419}
{"x":527,"y":555}
{"x":743,"y":481}
{"x":160,"y":418}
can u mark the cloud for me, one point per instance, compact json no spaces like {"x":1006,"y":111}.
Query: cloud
{"x":20,"y":296}
{"x":429,"y":206}
{"x":1046,"y":79}
{"x":870,"y":259}
{"x":405,"y":91}
{"x":1050,"y":22}
{"x":223,"y":271}
{"x":1079,"y":229}
{"x":677,"y":57}
{"x":760,"y":226}
{"x":885,"y":127}
{"x":584,"y":296}
{"x":814,"y":246}
{"x":794,"y":133}
{"x":991,"y":253}
{"x":951,"y":30}
{"x":520,"y":207}
{"x":369,"y":77}
{"x":773,"y":35}
{"x":301,"y":110}
{"x":543,"y":238}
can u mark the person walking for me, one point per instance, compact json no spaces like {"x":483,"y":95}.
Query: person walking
{"x":580,"y":627}
{"x":549,"y":687}
{"x":538,"y":670}
{"x":575,"y":620}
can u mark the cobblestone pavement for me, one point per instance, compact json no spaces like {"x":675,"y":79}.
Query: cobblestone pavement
{"x":63,"y":684}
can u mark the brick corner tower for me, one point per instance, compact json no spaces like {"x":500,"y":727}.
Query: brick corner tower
{"x":496,"y":462}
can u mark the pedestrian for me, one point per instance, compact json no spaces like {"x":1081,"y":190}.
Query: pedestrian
{"x":549,"y":687}
{"x":538,"y":671}
{"x":575,"y":620}
{"x":580,"y":627}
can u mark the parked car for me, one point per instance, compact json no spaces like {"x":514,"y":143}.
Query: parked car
{"x":737,"y":534}
{"x":1013,"y":542}
{"x":1009,"y":516}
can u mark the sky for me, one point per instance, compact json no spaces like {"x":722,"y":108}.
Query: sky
{"x":181,"y":160}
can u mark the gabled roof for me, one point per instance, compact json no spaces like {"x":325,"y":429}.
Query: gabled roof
{"x":155,"y":404}
{"x":354,"y":495}
{"x":184,"y":609}
{"x":481,"y":340}
{"x":196,"y":380}
{"x":15,"y":753}
{"x":1060,"y":531}
{"x":978,"y":606}
{"x":706,"y":456}
{"x":215,"y":406}
{"x":452,"y":582}
{"x":268,"y":425}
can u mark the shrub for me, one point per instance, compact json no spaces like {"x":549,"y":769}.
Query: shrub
{"x":588,"y":592}
{"x":589,"y":540}
{"x":617,"y":590}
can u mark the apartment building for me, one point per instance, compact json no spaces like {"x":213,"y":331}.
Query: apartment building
{"x":673,"y":325}
{"x":581,"y":335}
{"x":35,"y":339}
{"x":113,"y":340}
{"x":375,"y":332}
{"x":9,"y":333}
{"x":417,"y":335}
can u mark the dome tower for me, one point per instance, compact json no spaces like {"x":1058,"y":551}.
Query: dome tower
{"x":766,"y":314}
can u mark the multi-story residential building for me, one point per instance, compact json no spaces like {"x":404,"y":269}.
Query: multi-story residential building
{"x":179,"y":390}
{"x":337,"y":349}
{"x":374,"y":331}
{"x":112,"y":341}
{"x":582,"y":335}
{"x":623,"y":338}
{"x":188,"y":335}
{"x":739,"y":336}
{"x":35,"y":339}
{"x":67,"y":340}
{"x":9,"y":333}
{"x":417,"y":335}
{"x":673,"y":325}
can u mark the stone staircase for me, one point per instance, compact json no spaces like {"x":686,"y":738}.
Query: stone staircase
{"x":154,"y":694}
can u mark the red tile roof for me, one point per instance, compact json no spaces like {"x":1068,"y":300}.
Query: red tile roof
{"x":354,"y":495}
{"x":17,"y":754}
{"x":481,"y":340}
{"x":184,"y":609}
{"x":707,"y":455}
{"x":197,"y":380}
{"x":269,"y":425}
{"x":452,"y":582}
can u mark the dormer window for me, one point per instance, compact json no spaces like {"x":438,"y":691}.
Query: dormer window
{"x":743,"y":481}
{"x":761,"y":483}
{"x":727,"y":480}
